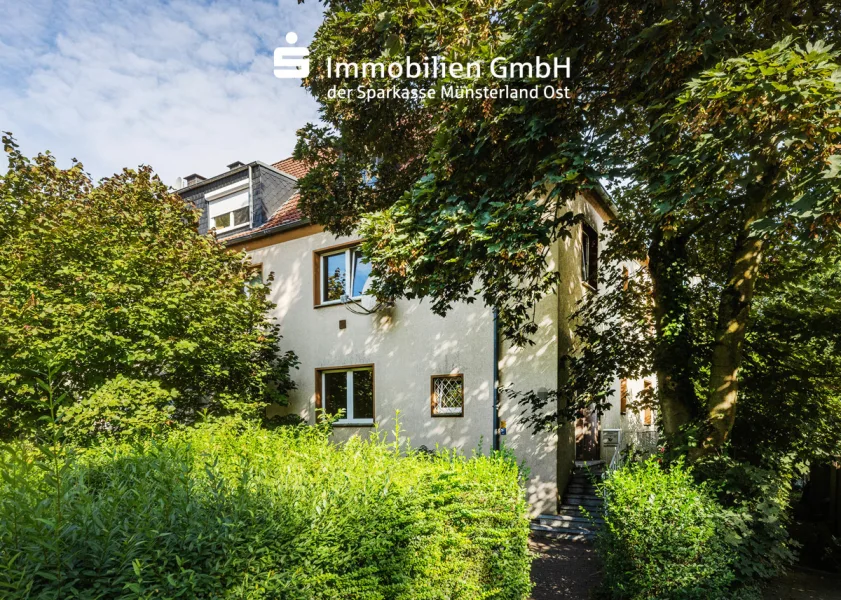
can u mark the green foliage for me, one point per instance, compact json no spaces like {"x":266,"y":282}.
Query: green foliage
{"x":684,"y":245}
{"x":122,"y":408}
{"x":663,"y":536}
{"x":474,"y":190}
{"x":226,"y":511}
{"x":755,"y":504}
{"x":791,"y":379}
{"x":113,"y":280}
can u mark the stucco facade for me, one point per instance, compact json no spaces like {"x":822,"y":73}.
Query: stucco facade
{"x":398,"y":349}
{"x":407,"y":344}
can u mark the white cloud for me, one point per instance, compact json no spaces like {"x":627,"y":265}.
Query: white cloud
{"x":184,"y":86}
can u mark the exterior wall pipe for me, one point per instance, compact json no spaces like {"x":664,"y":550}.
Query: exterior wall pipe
{"x":496,"y":382}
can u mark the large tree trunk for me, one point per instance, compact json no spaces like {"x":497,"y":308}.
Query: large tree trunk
{"x":672,"y":360}
{"x":733,"y":313}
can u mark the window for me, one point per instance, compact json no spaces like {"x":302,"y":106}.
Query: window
{"x":340,"y":273}
{"x":648,"y":392}
{"x":623,"y":396}
{"x":349,"y":390}
{"x":589,"y":256}
{"x":255,"y":277}
{"x":229,"y":207}
{"x":447,"y":396}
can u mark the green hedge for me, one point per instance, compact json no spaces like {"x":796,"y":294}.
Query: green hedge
{"x":663,"y":537}
{"x":220,"y":513}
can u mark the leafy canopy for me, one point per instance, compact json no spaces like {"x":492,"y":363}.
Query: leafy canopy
{"x":110,"y":289}
{"x":715,"y":125}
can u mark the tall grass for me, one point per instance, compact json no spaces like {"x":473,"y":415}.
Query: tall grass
{"x":222,"y":512}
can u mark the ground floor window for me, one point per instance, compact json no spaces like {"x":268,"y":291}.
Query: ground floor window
{"x":447,"y":395}
{"x":347,"y":390}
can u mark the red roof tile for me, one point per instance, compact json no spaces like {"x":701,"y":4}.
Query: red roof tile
{"x":289,"y":212}
{"x":291,"y":166}
{"x":286,"y":214}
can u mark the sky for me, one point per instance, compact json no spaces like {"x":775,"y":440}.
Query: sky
{"x":184,"y":86}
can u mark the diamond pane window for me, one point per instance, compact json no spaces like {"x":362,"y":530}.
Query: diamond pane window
{"x":447,"y":395}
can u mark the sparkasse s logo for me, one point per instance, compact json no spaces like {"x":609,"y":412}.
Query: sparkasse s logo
{"x":291,"y":62}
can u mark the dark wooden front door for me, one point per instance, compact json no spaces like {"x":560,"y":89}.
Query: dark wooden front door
{"x":587,"y":435}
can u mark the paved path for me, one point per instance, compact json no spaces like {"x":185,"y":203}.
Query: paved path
{"x":805,"y":585}
{"x":563,"y":570}
{"x":570,"y":570}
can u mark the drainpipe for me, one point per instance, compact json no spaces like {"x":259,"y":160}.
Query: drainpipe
{"x":250,"y":199}
{"x":496,"y":382}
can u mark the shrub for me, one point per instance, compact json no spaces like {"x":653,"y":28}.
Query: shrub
{"x":221,"y":512}
{"x":662,"y":536}
{"x":123,"y":408}
{"x":112,"y":278}
{"x":756,"y":505}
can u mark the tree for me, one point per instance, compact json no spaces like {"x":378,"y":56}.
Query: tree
{"x":722,"y":133}
{"x":110,"y":288}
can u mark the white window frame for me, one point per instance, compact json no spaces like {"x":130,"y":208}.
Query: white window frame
{"x":350,"y":275}
{"x":225,"y":193}
{"x":348,"y":418}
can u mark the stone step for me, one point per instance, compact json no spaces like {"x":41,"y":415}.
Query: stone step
{"x":569,"y":535}
{"x":585,"y":479}
{"x":568,"y":521}
{"x":582,"y":490}
{"x":568,"y":510}
{"x":585,"y":501}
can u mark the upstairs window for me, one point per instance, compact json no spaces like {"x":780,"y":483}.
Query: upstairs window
{"x":341,"y":273}
{"x":348,"y":392}
{"x":229,"y":207}
{"x":589,"y":256}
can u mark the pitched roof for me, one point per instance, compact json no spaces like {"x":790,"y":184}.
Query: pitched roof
{"x":291,"y":166}
{"x":289,"y":212}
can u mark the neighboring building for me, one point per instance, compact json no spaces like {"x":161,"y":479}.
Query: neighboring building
{"x":439,"y":373}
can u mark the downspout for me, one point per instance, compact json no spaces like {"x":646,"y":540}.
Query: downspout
{"x":496,"y":382}
{"x":250,"y":199}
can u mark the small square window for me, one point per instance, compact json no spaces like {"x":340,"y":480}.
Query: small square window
{"x":349,"y":390}
{"x":447,"y":395}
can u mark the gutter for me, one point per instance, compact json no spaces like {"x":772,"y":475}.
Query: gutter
{"x":496,"y":382}
{"x":607,"y":200}
{"x":256,"y":235}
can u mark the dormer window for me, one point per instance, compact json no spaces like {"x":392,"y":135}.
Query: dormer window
{"x":229,"y":208}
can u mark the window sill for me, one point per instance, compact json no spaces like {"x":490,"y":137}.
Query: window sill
{"x":589,"y":287}
{"x":354,"y":423}
{"x":437,"y":415}
{"x":335,"y":302}
{"x":231,"y":229}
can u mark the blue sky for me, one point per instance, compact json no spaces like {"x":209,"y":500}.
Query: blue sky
{"x":185,"y":86}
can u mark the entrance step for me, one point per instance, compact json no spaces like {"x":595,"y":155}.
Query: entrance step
{"x":567,"y":510}
{"x":570,"y":521}
{"x":585,"y":501}
{"x":582,"y":490}
{"x":566,"y":534}
{"x":579,"y":516}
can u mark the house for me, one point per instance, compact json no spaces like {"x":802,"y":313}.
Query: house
{"x":440,"y":374}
